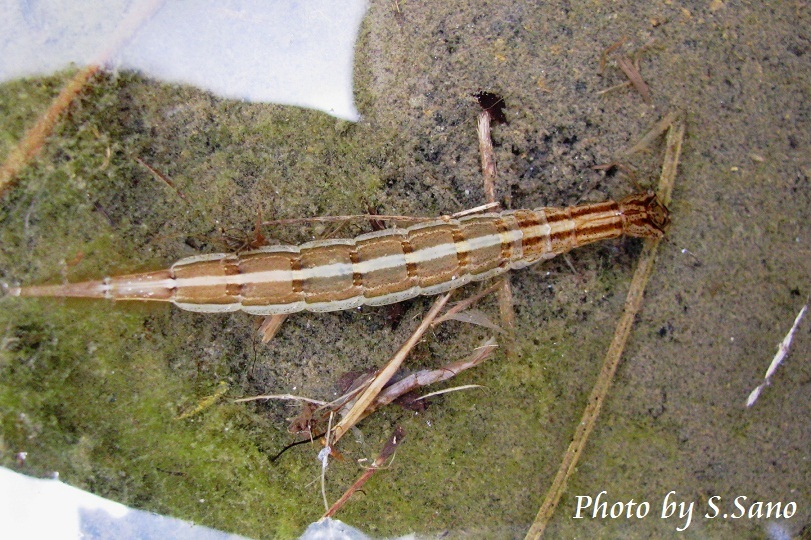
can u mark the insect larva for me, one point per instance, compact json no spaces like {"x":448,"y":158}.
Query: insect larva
{"x":378,"y":268}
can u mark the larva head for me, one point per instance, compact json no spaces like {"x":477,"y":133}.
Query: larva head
{"x":643,"y":215}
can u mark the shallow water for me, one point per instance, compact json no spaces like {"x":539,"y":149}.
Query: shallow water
{"x":257,"y":51}
{"x":92,"y":389}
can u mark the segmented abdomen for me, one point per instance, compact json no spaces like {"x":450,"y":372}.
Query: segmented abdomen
{"x":377,"y":268}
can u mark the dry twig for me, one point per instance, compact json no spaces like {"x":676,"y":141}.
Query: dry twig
{"x":34,"y":138}
{"x":388,"y":450}
{"x":632,"y":304}
{"x":488,"y":156}
{"x":654,"y":133}
{"x":611,"y":48}
{"x":271,"y":325}
{"x":162,"y":177}
{"x":629,"y":68}
{"x":635,"y":77}
{"x":288,"y":397}
{"x":495,"y":113}
{"x":384,"y":375}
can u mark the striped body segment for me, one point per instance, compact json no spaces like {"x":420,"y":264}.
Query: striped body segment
{"x":378,"y":268}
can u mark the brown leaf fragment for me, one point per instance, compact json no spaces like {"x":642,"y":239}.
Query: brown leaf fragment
{"x":411,"y":401}
{"x":303,"y":423}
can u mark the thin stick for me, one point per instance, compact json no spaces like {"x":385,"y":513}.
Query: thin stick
{"x":634,"y":76}
{"x":368,"y":396}
{"x":675,"y":138}
{"x":477,"y":209}
{"x":271,"y":325}
{"x":34,"y":138}
{"x":614,"y":88}
{"x":162,"y":177}
{"x":604,"y":57}
{"x":288,"y":397}
{"x":660,"y":127}
{"x":612,"y":357}
{"x":488,"y":157}
{"x":388,"y":449}
{"x":449,"y":390}
{"x":507,"y":311}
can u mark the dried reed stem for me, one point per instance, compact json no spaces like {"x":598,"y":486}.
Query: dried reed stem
{"x":658,"y":128}
{"x":612,"y":358}
{"x":271,"y":325}
{"x":370,"y":394}
{"x":430,"y":376}
{"x":488,"y":157}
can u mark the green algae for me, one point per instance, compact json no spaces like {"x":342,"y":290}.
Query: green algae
{"x":93,"y":390}
{"x":103,"y":418}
